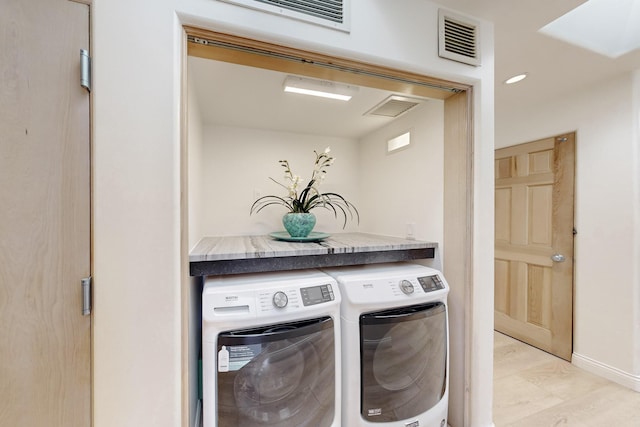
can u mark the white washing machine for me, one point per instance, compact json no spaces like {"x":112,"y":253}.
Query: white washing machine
{"x":395,"y":346}
{"x":271,"y":350}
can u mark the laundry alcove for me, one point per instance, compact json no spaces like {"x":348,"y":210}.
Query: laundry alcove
{"x":426,"y":189}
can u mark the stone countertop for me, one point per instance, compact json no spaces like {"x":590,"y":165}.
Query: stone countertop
{"x":249,"y":254}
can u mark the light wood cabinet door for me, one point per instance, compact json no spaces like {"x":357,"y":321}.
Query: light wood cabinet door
{"x":534,"y":199}
{"x":45,"y":341}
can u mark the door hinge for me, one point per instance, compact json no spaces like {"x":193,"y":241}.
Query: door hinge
{"x":85,"y":69}
{"x":86,"y":296}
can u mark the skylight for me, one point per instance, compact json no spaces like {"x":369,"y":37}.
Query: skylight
{"x":607,"y":27}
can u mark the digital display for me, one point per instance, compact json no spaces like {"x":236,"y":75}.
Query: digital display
{"x":431,"y":283}
{"x":316,"y":294}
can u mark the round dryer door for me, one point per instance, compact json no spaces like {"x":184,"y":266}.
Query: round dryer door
{"x":279,"y":375}
{"x":404,"y":360}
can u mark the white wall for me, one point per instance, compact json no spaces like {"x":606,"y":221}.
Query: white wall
{"x":607,"y":304}
{"x":137,"y":49}
{"x":197,"y":168}
{"x":406,"y":186}
{"x":136,"y":222}
{"x":195,"y":195}
{"x":238,"y":164}
{"x":389,"y":190}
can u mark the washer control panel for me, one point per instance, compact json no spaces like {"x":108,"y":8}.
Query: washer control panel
{"x":431,"y":283}
{"x":271,"y":300}
{"x":406,"y":287}
{"x":294,"y":298}
{"x":280,"y":299}
{"x":317,"y":294}
{"x":267,"y":295}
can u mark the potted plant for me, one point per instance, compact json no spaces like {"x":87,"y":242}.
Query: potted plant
{"x":299,"y":220}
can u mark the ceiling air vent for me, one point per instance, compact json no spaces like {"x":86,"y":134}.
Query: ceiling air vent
{"x":458,"y":38}
{"x":329,"y":13}
{"x":394,"y":106}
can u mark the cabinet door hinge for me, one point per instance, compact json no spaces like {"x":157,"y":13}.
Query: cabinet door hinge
{"x":85,"y":69}
{"x":86,"y":296}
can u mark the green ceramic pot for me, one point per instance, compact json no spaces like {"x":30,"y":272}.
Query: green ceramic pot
{"x":299,"y":224}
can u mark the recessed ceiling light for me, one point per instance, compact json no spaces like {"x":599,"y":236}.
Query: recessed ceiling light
{"x":322,"y":88}
{"x":516,"y":79}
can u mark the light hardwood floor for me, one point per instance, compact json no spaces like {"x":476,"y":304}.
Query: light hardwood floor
{"x":535,"y":389}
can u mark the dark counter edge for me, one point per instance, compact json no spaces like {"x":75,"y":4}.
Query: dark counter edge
{"x":258,"y":265}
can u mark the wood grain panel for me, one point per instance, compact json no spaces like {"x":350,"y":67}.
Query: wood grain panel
{"x":45,"y":374}
{"x":458,"y":242}
{"x":519,"y":215}
{"x":529,"y":147}
{"x":539,"y":215}
{"x":537,"y":179}
{"x":501,"y":295}
{"x":541,"y":162}
{"x":540,"y":291}
{"x":526,"y":255}
{"x":538,"y":296}
{"x":504,"y":168}
{"x":238,"y":50}
{"x":534,"y":335}
{"x":521,"y":162}
{"x":562,"y":273}
{"x":503,"y":214}
{"x":518,"y":291}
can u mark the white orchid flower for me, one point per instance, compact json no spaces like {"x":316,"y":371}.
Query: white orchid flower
{"x":310,"y":197}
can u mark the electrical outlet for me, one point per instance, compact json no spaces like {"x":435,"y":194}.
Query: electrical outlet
{"x":411,"y":230}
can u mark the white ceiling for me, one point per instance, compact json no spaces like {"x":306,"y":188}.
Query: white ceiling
{"x":249,"y":97}
{"x":241,"y":96}
{"x":555,"y":67}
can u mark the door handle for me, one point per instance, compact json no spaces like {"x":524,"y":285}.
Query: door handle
{"x":557,"y":258}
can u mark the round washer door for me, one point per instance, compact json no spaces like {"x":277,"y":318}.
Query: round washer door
{"x":279,"y":375}
{"x":403,"y":364}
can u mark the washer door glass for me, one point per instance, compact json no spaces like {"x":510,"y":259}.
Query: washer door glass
{"x":404,"y":359}
{"x":278,"y":375}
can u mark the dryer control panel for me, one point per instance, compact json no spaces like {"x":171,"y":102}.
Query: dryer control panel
{"x":317,"y":294}
{"x":431,"y":283}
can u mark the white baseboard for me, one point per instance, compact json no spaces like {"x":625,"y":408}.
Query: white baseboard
{"x":609,"y":372}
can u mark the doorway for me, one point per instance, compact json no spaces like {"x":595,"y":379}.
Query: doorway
{"x":457,"y":177}
{"x":534,"y":229}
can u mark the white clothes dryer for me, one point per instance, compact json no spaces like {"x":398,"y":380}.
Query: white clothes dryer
{"x":395,"y":350}
{"x":271,"y":350}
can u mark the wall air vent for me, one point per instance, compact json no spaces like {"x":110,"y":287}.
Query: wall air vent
{"x":329,"y":13}
{"x":394,"y":106}
{"x":458,"y":38}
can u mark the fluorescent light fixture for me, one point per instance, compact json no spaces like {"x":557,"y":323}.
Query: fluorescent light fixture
{"x":516,"y":79}
{"x":607,"y":27}
{"x":322,"y":88}
{"x":399,"y":142}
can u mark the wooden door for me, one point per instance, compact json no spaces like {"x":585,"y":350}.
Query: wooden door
{"x":45,"y":359}
{"x":534,"y":192}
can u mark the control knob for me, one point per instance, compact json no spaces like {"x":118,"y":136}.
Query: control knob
{"x":406,"y":287}
{"x":280,"y":299}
